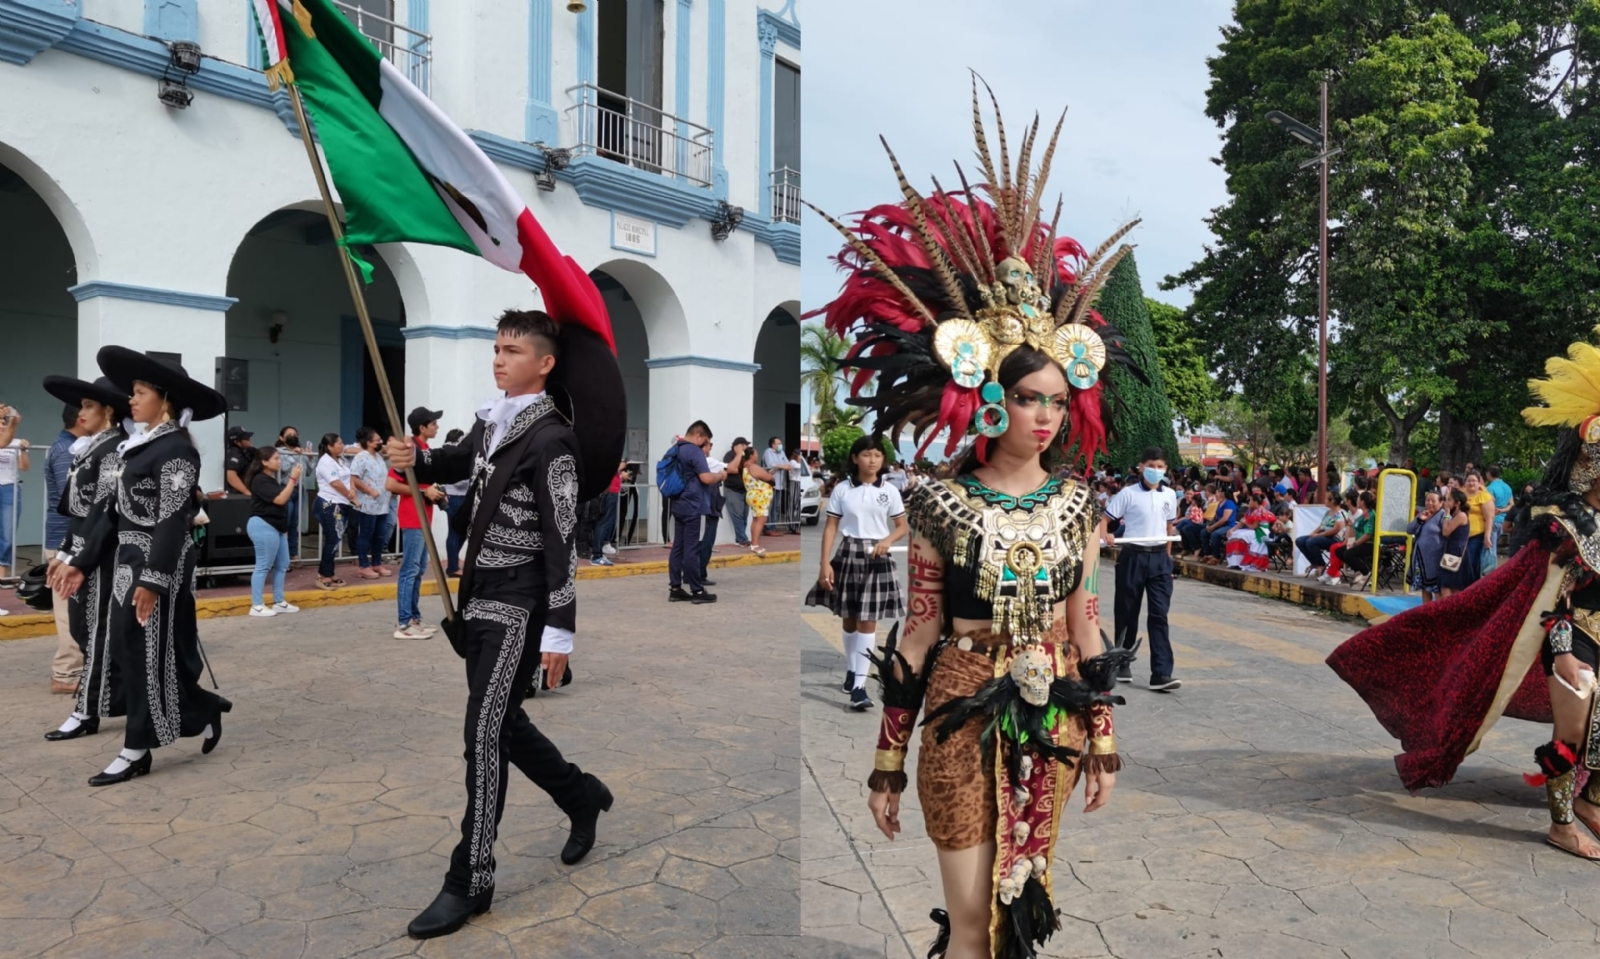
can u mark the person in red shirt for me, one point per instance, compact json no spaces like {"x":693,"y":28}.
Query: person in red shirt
{"x":414,"y":552}
{"x":608,"y":520}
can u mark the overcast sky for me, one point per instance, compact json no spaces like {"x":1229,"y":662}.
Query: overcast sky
{"x":1132,"y":76}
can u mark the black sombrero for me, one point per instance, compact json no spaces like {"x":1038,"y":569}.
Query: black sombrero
{"x":123,"y":366}
{"x":586,"y":386}
{"x":75,"y":391}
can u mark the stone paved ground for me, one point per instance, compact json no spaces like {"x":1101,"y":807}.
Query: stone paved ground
{"x":324,"y":819}
{"x":1259,"y":817}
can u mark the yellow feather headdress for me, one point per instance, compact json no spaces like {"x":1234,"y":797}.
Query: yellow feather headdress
{"x":1570,"y":392}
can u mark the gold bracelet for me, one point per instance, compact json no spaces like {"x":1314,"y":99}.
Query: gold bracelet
{"x":1102,"y":745}
{"x":889,"y":760}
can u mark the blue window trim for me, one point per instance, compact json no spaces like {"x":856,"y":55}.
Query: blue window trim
{"x":704,"y":362}
{"x":172,"y":20}
{"x":771,"y":29}
{"x":541,"y":123}
{"x":716,"y":92}
{"x":150,"y":294}
{"x":680,"y":82}
{"x":447,"y":332}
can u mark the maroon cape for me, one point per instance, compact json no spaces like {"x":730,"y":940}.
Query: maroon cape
{"x":1430,"y":674}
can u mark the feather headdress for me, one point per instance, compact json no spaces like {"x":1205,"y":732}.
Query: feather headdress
{"x":941,"y":288}
{"x":1570,"y":392}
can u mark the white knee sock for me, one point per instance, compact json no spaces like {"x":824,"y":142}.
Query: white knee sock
{"x":125,"y":759}
{"x":849,"y":640}
{"x":863,"y":665}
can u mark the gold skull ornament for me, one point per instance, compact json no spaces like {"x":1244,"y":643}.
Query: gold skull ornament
{"x":1033,"y":673}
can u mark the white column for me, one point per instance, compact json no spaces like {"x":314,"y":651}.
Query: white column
{"x":688,"y":388}
{"x":165,"y":321}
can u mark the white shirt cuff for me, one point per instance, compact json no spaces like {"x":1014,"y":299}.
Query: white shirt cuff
{"x":556,"y":640}
{"x":65,"y":558}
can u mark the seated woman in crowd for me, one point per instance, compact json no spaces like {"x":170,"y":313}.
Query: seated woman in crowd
{"x":1329,"y":532}
{"x":1218,"y":529}
{"x":1356,"y":550}
{"x":1247,"y":543}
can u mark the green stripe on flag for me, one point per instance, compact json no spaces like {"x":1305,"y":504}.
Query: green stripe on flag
{"x":386,"y":196}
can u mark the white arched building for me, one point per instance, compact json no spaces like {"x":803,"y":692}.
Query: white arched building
{"x":197,"y":231}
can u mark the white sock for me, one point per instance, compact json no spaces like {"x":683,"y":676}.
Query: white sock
{"x":73,"y":722}
{"x":125,"y":759}
{"x":849,"y":639}
{"x":206,"y":733}
{"x":862,"y":664}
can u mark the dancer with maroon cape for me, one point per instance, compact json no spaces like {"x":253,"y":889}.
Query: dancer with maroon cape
{"x":1520,"y":643}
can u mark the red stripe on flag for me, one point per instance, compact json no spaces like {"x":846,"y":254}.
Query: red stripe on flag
{"x":570,"y":295}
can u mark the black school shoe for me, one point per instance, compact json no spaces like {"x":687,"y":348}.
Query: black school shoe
{"x":849,"y":680}
{"x":678,"y":595}
{"x":447,"y":913}
{"x":1124,"y":673}
{"x":703,"y":597}
{"x":860,"y":701}
{"x":1164,"y":684}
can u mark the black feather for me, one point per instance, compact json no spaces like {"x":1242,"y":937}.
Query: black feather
{"x":900,"y":688}
{"x":1031,"y":919}
{"x":941,"y":942}
{"x":1100,"y":673}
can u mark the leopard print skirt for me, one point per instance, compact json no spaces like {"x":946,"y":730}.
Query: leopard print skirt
{"x":954,"y":787}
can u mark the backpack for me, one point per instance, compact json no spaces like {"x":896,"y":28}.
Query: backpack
{"x":669,"y":476}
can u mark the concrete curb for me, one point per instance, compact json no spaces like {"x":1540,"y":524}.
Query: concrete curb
{"x":43,"y":624}
{"x":1302,"y":592}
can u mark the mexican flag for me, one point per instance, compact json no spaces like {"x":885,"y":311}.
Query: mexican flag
{"x":404,"y":171}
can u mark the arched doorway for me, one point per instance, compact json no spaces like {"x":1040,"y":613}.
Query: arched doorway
{"x":776,"y":410}
{"x":39,"y":319}
{"x":648,"y":323}
{"x":295,"y":331}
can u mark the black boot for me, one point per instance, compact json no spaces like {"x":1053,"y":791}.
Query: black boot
{"x":582,"y":837}
{"x":211,"y":741}
{"x":86,"y":727}
{"x":448,"y":912}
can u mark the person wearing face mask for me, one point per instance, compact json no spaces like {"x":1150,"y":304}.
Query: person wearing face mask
{"x":1148,"y":511}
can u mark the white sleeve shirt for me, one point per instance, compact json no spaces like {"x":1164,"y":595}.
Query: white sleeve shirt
{"x":1144,"y":512}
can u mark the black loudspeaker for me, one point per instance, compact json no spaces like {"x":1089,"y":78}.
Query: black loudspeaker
{"x":233,"y":382}
{"x":227,"y":542}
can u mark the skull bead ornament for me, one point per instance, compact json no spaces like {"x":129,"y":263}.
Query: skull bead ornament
{"x":1033,"y":673}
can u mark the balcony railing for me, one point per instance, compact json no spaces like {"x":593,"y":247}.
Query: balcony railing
{"x":411,"y":51}
{"x":625,"y":130}
{"x":785,"y":195}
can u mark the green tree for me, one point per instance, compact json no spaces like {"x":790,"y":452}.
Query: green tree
{"x":1464,"y":242}
{"x":836,"y":445}
{"x":820,"y":376}
{"x":1181,"y":351}
{"x":1143,"y":415}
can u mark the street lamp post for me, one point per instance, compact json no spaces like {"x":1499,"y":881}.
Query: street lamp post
{"x":1317,"y":138}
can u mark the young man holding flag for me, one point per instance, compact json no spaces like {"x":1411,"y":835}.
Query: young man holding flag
{"x":406,"y":173}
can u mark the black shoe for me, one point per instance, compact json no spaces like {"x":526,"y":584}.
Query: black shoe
{"x":86,"y":727}
{"x":859,"y":700}
{"x":849,"y":680}
{"x":1163,"y":684}
{"x":447,"y":913}
{"x":707,"y":582}
{"x":703,"y":597}
{"x":678,"y":595}
{"x":139,"y":767}
{"x":582,"y":837}
{"x":1124,"y":674}
{"x":211,"y":741}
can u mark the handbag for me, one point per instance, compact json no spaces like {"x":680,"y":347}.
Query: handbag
{"x":1452,"y":563}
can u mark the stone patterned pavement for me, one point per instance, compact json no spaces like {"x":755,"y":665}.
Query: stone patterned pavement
{"x":1259,"y":816}
{"x":324,"y":820}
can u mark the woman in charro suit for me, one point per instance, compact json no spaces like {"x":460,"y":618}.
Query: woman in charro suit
{"x":83,"y":565}
{"x":153,"y":631}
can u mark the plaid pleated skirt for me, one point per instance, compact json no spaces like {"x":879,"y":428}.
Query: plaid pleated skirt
{"x":865,"y":587}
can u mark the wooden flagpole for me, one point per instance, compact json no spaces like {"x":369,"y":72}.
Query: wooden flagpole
{"x":356,"y":294}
